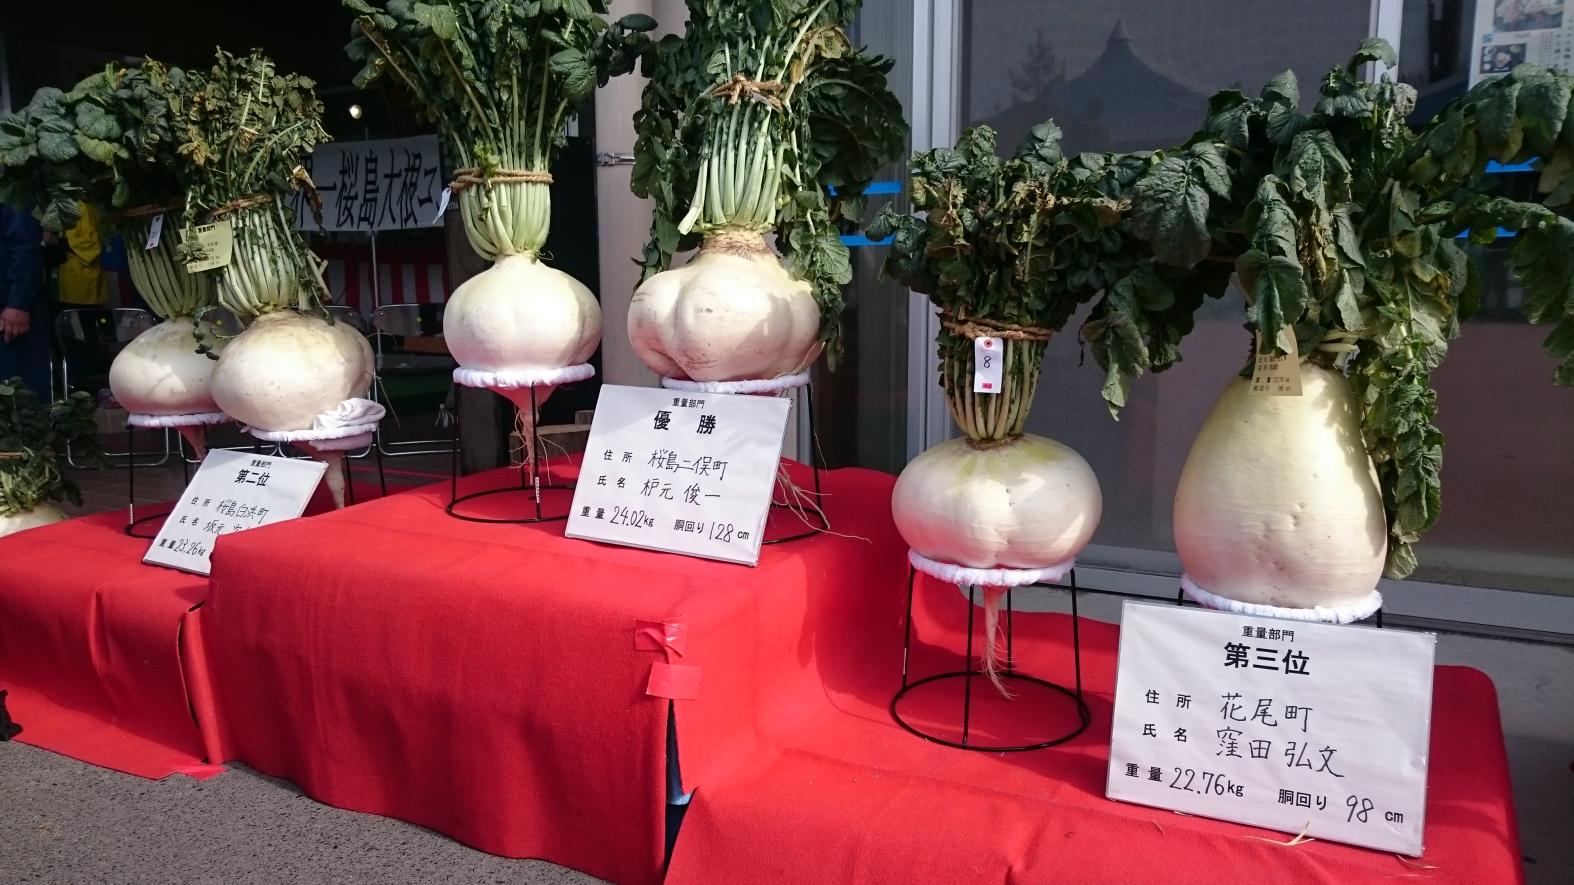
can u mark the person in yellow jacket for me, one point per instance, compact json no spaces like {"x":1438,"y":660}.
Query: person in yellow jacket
{"x":82,"y":279}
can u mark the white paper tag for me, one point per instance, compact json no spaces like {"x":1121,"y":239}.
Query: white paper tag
{"x":155,"y":231}
{"x":1277,"y":374}
{"x":218,"y":244}
{"x":442,"y":204}
{"x":988,"y":354}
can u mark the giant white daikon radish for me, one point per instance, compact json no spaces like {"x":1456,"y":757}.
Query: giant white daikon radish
{"x":732,"y":313}
{"x":292,"y":369}
{"x":520,"y":327}
{"x":287,"y":368}
{"x":1278,"y":503}
{"x":1003,"y":250}
{"x":751,"y":127}
{"x":31,"y":518}
{"x":164,"y":373}
{"x":1024,"y":503}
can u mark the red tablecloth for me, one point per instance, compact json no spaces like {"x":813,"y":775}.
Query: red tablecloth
{"x":91,"y":646}
{"x":483,"y":680}
{"x":95,"y":646}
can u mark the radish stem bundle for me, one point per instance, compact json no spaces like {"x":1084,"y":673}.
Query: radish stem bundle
{"x":500,"y":80}
{"x":111,"y":142}
{"x":762,"y":118}
{"x":247,"y":129}
{"x":1007,"y":249}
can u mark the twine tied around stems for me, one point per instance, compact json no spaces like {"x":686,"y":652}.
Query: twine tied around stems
{"x":471,"y":175}
{"x":972,"y":327}
{"x":762,"y":91}
{"x":239,"y":204}
{"x":144,"y":211}
{"x":13,"y":456}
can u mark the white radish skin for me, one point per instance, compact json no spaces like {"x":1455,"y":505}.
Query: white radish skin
{"x":731,"y":314}
{"x":161,"y":373}
{"x":1278,"y":503}
{"x":33,"y":517}
{"x":521,"y":315}
{"x":1028,"y":503}
{"x":287,"y":368}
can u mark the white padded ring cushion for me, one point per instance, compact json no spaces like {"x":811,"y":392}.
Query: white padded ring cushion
{"x":765,"y":385}
{"x":513,"y":380}
{"x":989,"y":577}
{"x":1336,"y":614}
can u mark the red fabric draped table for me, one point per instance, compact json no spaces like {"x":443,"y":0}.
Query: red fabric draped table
{"x":91,"y":646}
{"x":486,"y":681}
{"x":96,"y":647}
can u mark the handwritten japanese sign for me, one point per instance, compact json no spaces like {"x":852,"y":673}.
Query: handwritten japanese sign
{"x":687,"y":473}
{"x":1296,"y":726}
{"x":231,"y":492}
{"x":385,"y":184}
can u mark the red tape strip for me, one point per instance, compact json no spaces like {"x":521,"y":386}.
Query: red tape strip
{"x":661,"y":636}
{"x":675,"y":681}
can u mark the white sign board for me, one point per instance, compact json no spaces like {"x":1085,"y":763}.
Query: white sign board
{"x":383,"y":184}
{"x":687,"y":473}
{"x":1302,"y":727}
{"x":231,"y":492}
{"x":1510,"y":33}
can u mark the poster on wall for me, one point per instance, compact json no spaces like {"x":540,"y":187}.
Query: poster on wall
{"x":375,"y":185}
{"x":1509,"y":33}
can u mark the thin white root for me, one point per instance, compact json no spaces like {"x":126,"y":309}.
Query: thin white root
{"x":334,"y":475}
{"x":992,"y":655}
{"x":196,"y":439}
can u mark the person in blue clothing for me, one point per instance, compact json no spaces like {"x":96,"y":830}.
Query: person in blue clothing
{"x":24,"y":318}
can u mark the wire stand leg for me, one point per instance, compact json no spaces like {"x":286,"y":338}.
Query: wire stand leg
{"x":1076,"y":636}
{"x":1009,"y":656}
{"x":131,"y":479}
{"x":382,"y":478}
{"x":534,"y":453}
{"x":967,"y":682}
{"x":816,"y":457}
{"x":907,"y":636}
{"x":453,"y":461}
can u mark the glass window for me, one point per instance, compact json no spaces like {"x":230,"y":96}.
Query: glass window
{"x":861,"y":407}
{"x":1507,"y":474}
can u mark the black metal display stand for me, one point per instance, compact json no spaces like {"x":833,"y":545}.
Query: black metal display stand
{"x":529,"y":480}
{"x":816,"y":513}
{"x":1084,"y":715}
{"x":137,"y":528}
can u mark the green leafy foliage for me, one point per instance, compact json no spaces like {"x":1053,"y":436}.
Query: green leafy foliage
{"x":244,"y":132}
{"x":1341,"y":225}
{"x":110,"y":141}
{"x":499,"y":78}
{"x":749,"y":119}
{"x":34,"y":437}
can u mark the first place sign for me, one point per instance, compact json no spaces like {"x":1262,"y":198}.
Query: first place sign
{"x":688,"y":473}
